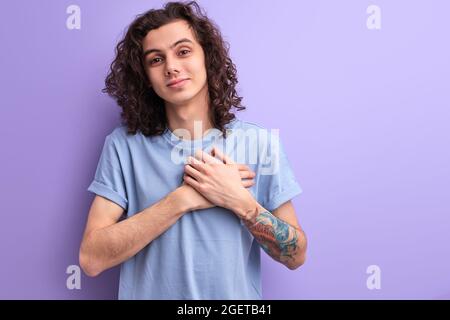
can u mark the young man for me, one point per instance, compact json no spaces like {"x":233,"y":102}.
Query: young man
{"x":194,"y":219}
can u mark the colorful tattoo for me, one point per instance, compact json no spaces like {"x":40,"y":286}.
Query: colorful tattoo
{"x":276,"y":237}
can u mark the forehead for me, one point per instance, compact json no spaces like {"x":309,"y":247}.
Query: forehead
{"x":163,"y":37}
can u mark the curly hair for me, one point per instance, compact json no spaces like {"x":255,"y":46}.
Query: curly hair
{"x":127,"y":82}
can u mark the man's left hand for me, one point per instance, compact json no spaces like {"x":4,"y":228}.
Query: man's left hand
{"x":219,"y":181}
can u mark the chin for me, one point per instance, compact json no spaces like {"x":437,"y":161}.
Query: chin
{"x":178,"y":101}
{"x":180,"y":97}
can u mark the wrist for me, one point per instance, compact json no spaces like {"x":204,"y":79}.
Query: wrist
{"x":181,"y":200}
{"x":252,"y":218}
{"x":246,"y":207}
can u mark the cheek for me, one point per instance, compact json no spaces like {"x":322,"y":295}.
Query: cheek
{"x":156,"y":79}
{"x":197,"y":64}
{"x":153,"y":77}
{"x":199,"y":70}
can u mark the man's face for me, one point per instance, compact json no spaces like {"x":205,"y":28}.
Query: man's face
{"x":178,"y":56}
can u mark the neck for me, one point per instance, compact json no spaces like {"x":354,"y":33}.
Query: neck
{"x":189,"y":120}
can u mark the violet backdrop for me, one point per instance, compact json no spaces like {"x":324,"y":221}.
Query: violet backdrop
{"x":363,"y":114}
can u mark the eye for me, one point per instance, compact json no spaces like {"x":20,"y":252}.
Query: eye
{"x":155,"y":60}
{"x":185,"y":50}
{"x":152,"y":61}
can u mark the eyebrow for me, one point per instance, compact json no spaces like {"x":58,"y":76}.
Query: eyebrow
{"x":147,"y":52}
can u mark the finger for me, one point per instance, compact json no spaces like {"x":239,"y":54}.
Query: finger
{"x":197,"y":155}
{"x":243,"y":167}
{"x":247,"y":183}
{"x":192,"y":182}
{"x":205,"y":157}
{"x":216,"y":152}
{"x":246,"y":171}
{"x":193,"y":172}
{"x":192,"y":160}
{"x":247,"y":174}
{"x":196,"y":164}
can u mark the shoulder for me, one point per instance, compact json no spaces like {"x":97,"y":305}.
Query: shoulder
{"x":118,"y":133}
{"x":120,"y":136}
{"x":254,"y":131}
{"x":245,"y":125}
{"x":119,"y":140}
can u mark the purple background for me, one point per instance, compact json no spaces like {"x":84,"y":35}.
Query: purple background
{"x":363,"y":114}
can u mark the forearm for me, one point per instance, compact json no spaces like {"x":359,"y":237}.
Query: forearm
{"x":280,"y":240}
{"x":221,"y":184}
{"x":110,"y":246}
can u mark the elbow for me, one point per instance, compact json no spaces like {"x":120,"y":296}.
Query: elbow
{"x":88,"y":265}
{"x":295,"y":266}
{"x":297,"y":263}
{"x":300,"y":257}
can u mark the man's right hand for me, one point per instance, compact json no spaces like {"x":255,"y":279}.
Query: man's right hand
{"x":195,"y":201}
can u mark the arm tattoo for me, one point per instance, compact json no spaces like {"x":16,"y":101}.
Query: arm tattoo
{"x":276,"y":237}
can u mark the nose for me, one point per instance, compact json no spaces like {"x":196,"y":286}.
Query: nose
{"x":171,"y":67}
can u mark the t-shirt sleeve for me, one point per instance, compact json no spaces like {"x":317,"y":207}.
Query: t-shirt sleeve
{"x":109,"y":180}
{"x":277,"y":183}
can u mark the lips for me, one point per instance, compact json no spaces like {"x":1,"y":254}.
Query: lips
{"x":174,"y":82}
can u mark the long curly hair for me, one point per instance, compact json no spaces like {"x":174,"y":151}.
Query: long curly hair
{"x":127,"y":82}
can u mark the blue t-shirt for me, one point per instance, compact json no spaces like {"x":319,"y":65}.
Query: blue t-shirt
{"x":206,"y":254}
